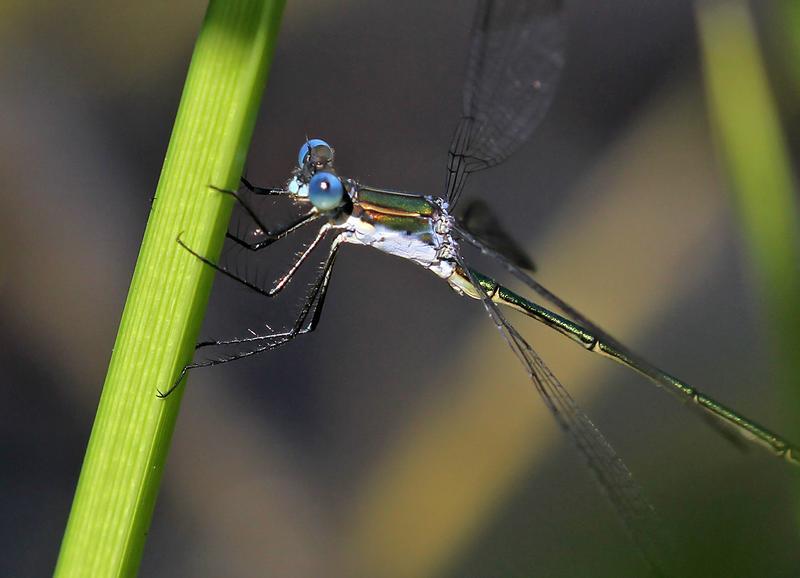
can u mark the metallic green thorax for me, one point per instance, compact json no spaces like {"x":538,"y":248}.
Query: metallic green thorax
{"x":389,"y":201}
{"x":400,"y":224}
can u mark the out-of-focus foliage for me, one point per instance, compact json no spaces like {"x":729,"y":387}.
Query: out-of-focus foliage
{"x":757,"y":162}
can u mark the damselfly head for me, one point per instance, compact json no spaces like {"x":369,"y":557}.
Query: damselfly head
{"x":315,"y":178}
{"x":315,"y":155}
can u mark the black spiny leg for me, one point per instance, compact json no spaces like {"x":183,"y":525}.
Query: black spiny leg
{"x":269,"y":236}
{"x":282,"y":281}
{"x":261,"y":190}
{"x":314,"y":300}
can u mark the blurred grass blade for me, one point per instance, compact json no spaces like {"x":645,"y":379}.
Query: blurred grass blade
{"x":752,"y":146}
{"x":786,"y":20}
{"x":124,"y":460}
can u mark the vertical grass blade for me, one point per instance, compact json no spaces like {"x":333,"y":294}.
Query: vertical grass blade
{"x":128,"y":446}
{"x":746,"y":123}
{"x":786,"y":20}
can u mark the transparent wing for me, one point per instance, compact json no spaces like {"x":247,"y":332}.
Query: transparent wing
{"x":613,"y":476}
{"x":480,"y":221}
{"x":515,"y":59}
{"x":735,"y":436}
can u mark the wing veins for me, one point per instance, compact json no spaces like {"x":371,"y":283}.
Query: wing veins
{"x":610,"y":472}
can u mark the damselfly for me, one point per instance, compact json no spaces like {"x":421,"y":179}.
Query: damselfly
{"x":515,"y":60}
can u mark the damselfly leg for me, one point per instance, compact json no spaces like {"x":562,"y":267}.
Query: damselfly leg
{"x":266,"y":237}
{"x":312,"y":303}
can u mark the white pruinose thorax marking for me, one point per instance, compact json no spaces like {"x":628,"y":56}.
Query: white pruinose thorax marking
{"x":429,"y":248}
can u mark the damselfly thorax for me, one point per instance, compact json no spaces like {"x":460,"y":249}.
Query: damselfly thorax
{"x":414,"y":227}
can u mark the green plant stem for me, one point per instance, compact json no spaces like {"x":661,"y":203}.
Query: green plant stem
{"x":747,"y":127}
{"x":128,"y":446}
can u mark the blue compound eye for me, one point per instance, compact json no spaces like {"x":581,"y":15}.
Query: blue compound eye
{"x":308,"y":146}
{"x":325,"y":190}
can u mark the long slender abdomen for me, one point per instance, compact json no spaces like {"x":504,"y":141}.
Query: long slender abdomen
{"x":460,"y":281}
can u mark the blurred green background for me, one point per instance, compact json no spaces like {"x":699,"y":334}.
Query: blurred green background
{"x":401,"y":439}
